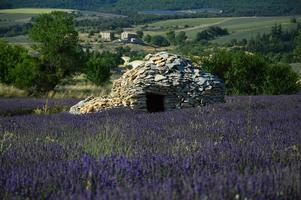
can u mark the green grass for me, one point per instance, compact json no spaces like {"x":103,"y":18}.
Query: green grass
{"x":32,"y":10}
{"x":188,"y":22}
{"x":239,"y":27}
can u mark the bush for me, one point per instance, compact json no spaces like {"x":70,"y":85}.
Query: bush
{"x":98,"y":67}
{"x":280,"y":79}
{"x":160,"y":41}
{"x":251,"y":74}
{"x":10,"y":56}
{"x":147,"y":38}
{"x":211,"y":33}
{"x":25,"y":73}
{"x":246,"y":74}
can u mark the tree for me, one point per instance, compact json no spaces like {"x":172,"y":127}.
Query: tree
{"x":10,"y":56}
{"x":25,"y":72}
{"x":147,"y":38}
{"x":246,"y":74}
{"x":171,"y":37}
{"x":243,"y":73}
{"x":98,"y":67}
{"x":140,"y":34}
{"x":160,"y":41}
{"x":218,"y":63}
{"x":297,"y":50}
{"x":58,"y":46}
{"x":280,"y":79}
{"x":181,"y":37}
{"x":204,"y":35}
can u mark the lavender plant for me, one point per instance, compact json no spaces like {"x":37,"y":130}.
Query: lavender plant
{"x":248,"y":148}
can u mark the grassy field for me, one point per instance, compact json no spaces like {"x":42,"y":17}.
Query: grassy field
{"x":32,"y":10}
{"x":239,"y":27}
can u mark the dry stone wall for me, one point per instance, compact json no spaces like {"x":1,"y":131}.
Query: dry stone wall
{"x":182,"y":85}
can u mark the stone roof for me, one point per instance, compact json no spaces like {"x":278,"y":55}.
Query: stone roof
{"x":171,"y":76}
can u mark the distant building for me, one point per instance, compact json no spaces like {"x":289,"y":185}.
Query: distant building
{"x":128,"y":35}
{"x":107,"y":36}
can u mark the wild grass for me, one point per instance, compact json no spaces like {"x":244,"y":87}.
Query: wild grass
{"x":11,"y":91}
{"x":108,"y":142}
{"x":76,"y":87}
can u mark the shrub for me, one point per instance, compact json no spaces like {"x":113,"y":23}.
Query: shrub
{"x":211,"y":33}
{"x":25,"y":73}
{"x":98,"y":67}
{"x":10,"y":56}
{"x":147,"y":38}
{"x":251,"y":74}
{"x":246,"y":74}
{"x":160,"y":41}
{"x":218,"y":63}
{"x":280,"y":79}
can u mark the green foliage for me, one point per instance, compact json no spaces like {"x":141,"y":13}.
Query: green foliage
{"x":246,"y":74}
{"x":14,"y":30}
{"x":171,"y":37}
{"x":58,"y":46}
{"x":181,"y":37}
{"x":140,"y":34}
{"x":219,"y":63}
{"x":10,"y":56}
{"x":277,"y":45}
{"x":211,"y":33}
{"x":251,"y":74}
{"x":25,"y":72}
{"x":297,"y":50}
{"x":293,"y":20}
{"x":280,"y":79}
{"x":233,"y":7}
{"x":160,"y":41}
{"x":98,"y":67}
{"x":147,"y":38}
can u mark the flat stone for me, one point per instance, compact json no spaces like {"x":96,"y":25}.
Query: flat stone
{"x":159,"y":77}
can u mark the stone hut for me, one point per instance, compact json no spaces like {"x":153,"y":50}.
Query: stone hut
{"x":162,"y":82}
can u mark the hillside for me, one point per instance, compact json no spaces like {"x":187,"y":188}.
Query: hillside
{"x":229,"y":7}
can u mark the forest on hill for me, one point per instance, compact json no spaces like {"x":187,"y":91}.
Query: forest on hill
{"x":229,"y":7}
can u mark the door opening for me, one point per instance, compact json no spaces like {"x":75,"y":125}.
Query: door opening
{"x":155,"y":103}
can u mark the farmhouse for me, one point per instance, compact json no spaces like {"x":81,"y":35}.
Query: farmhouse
{"x":107,"y":36}
{"x":128,"y":35}
{"x":161,"y":82}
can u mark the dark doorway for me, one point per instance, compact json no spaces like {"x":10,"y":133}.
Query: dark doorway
{"x":155,"y":103}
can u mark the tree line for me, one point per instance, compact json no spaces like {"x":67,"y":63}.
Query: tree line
{"x":229,"y":7}
{"x":278,"y":44}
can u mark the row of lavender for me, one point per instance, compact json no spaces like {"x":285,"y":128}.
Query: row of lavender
{"x":248,"y":148}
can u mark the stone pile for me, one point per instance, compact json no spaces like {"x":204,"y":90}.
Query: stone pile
{"x":175,"y":78}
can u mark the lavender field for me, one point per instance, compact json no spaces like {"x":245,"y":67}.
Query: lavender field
{"x":21,"y":106}
{"x":248,"y":148}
